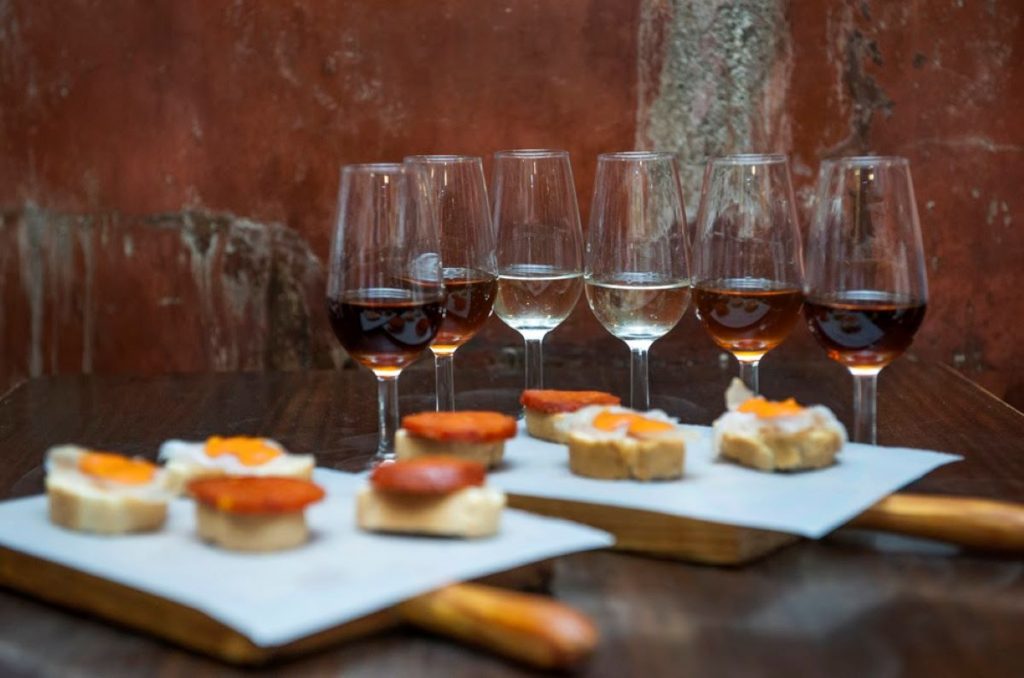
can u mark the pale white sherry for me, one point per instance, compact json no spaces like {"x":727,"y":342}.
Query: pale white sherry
{"x":534,"y":298}
{"x":639,"y":307}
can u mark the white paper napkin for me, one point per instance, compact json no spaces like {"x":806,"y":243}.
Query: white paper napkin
{"x":275,"y":598}
{"x":808,"y":503}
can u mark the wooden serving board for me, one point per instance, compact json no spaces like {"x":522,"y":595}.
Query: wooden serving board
{"x":663,"y":535}
{"x":973,"y":522}
{"x":190,"y":628}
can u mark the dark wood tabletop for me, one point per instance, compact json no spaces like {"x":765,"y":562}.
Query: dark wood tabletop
{"x":854,"y":604}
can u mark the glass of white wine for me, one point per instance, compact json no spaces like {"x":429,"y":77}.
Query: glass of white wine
{"x":637,"y":274}
{"x":539,"y":247}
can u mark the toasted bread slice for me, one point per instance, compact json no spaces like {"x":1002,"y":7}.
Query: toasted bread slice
{"x":782,"y":451}
{"x":251,"y":531}
{"x":544,"y":425}
{"x":470,"y":512}
{"x":489,"y":453}
{"x":621,"y":458}
{"x":85,"y":510}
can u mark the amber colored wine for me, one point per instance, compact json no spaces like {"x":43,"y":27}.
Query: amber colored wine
{"x":470,"y":300}
{"x":864,"y":330}
{"x":747,"y":316}
{"x":385,"y":329}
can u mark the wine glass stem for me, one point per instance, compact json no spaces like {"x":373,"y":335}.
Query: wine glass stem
{"x":749,"y":374}
{"x":865,"y":401}
{"x":387,"y":423}
{"x":444,"y":376}
{"x":534,"y":362}
{"x":639,"y":383}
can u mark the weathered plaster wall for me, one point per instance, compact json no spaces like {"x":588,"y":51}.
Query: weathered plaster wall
{"x":939,"y":82}
{"x":170,"y":293}
{"x":110,"y":112}
{"x":250,"y":107}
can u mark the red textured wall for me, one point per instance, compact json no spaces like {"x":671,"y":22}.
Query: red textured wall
{"x":251,"y":107}
{"x":122,"y":110}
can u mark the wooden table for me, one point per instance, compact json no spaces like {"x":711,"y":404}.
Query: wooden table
{"x":855,"y":604}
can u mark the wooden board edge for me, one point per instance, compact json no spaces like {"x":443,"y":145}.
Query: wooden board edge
{"x":663,"y":535}
{"x":194,"y":630}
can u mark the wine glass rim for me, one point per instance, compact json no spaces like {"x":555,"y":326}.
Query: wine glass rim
{"x":633,"y":156}
{"x":864,"y":160}
{"x":373,"y":168}
{"x":532,"y":153}
{"x":749,"y":159}
{"x":441,"y":158}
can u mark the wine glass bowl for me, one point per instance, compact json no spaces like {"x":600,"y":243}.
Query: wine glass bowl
{"x":748,"y":316}
{"x":747,"y":259}
{"x":637,"y":273}
{"x":384,"y":329}
{"x":453,"y":186}
{"x":385,"y":297}
{"x":866,"y":287}
{"x":539,"y":247}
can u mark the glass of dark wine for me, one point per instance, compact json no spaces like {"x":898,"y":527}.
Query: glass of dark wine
{"x":539,"y":248}
{"x":455,"y":186}
{"x":385,"y":293}
{"x":747,"y":261}
{"x":866,"y":288}
{"x":637,"y":274}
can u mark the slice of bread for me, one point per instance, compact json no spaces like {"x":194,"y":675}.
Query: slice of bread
{"x":782,"y":451}
{"x":621,"y":458}
{"x":408,"y":446}
{"x":775,"y":435}
{"x":251,"y":532}
{"x":87,"y":510}
{"x":544,"y":425}
{"x":470,"y":512}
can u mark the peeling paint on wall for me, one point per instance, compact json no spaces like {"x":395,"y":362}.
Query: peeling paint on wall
{"x":30,"y":260}
{"x":712,"y":79}
{"x":244,"y":295}
{"x":851,"y":51}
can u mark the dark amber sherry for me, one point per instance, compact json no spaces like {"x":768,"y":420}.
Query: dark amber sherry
{"x":862,"y":329}
{"x":747,"y":316}
{"x":385,"y":329}
{"x":470,"y":300}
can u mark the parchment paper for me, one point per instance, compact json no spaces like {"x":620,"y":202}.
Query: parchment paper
{"x":808,"y":503}
{"x":272,"y":599}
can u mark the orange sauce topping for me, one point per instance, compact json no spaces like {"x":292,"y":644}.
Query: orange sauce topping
{"x":641,"y":426}
{"x":767,"y":409}
{"x":635,"y":424}
{"x":248,"y":451}
{"x":607,"y":420}
{"x":116,"y":468}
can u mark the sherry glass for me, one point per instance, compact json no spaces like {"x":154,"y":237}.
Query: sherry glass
{"x":866,"y":287}
{"x":539,"y":248}
{"x":636,"y":275}
{"x":747,"y":266}
{"x":385,"y":295}
{"x":455,"y":186}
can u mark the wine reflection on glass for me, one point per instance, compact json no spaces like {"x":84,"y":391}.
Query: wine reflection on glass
{"x":867,"y":287}
{"x":747,"y":262}
{"x":454,"y":187}
{"x":637,"y":275}
{"x":539,"y":247}
{"x":385,"y":296}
